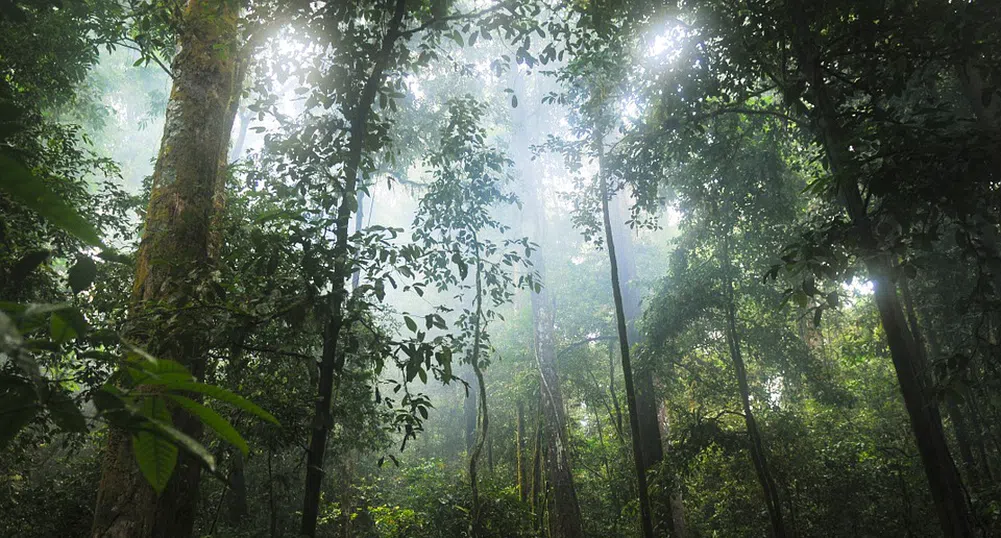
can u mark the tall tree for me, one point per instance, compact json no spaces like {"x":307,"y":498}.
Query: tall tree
{"x":332,"y":359}
{"x":174,"y":261}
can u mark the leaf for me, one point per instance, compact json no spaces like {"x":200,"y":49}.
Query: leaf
{"x":220,"y":394}
{"x":82,"y":274}
{"x":18,"y":407}
{"x":514,"y":101}
{"x":64,"y":412}
{"x":27,"y":189}
{"x":411,"y":324}
{"x":60,"y":331}
{"x":213,"y":420}
{"x":28,"y":263}
{"x":155,"y":454}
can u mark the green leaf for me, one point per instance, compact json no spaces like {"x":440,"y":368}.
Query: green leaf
{"x":213,"y":420}
{"x":411,"y":324}
{"x":60,"y":330}
{"x":18,"y":407}
{"x":28,"y":263}
{"x":82,"y":274}
{"x":514,"y":101}
{"x":218,"y":393}
{"x":64,"y":412}
{"x":155,"y":454}
{"x":27,"y":189}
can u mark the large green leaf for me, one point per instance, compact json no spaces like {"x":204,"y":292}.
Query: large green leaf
{"x":218,"y":393}
{"x":213,"y":420}
{"x":82,"y":274}
{"x":155,"y":453}
{"x":18,"y":406}
{"x":23,"y":186}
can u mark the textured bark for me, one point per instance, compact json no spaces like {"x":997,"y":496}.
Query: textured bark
{"x":537,"y":467}
{"x":177,"y":243}
{"x":564,"y":509}
{"x":565,"y":520}
{"x":332,"y":360}
{"x":943,"y":479}
{"x":627,"y":370}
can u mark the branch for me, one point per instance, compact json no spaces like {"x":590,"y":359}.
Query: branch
{"x":576,"y":345}
{"x":457,"y":17}
{"x":274,"y":351}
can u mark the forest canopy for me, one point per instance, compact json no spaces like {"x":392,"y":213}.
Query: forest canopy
{"x":500,"y":268}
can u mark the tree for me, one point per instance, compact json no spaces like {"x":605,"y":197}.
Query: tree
{"x":173,"y":263}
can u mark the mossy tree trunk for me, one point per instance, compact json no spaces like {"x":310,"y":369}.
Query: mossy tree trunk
{"x":174,"y":258}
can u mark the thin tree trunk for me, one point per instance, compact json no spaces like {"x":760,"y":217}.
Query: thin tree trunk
{"x":177,"y":240}
{"x":236,"y":511}
{"x":676,"y":506}
{"x":758,"y":455}
{"x":332,"y":360}
{"x":469,"y":411}
{"x":944,"y":481}
{"x":646,"y":398}
{"x":272,"y":510}
{"x":537,"y":467}
{"x":627,"y":371}
{"x":475,"y":529}
{"x":520,"y":453}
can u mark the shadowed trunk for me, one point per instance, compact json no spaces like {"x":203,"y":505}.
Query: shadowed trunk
{"x":758,"y":455}
{"x":944,"y":481}
{"x":332,"y":359}
{"x":174,"y":256}
{"x":627,"y":370}
{"x":520,"y":454}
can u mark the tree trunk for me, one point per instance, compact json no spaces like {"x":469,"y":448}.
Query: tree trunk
{"x":177,"y":239}
{"x":646,"y":397}
{"x":537,"y":467}
{"x":475,"y":529}
{"x":627,"y":370}
{"x":332,"y":360}
{"x":469,"y":410}
{"x":944,"y":482}
{"x":520,"y":453}
{"x":758,"y":455}
{"x":564,"y":514}
{"x":679,"y":529}
{"x":565,"y":519}
{"x":236,"y":512}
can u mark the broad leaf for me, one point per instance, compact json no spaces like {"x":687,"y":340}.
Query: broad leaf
{"x":24,"y":187}
{"x":214,"y":420}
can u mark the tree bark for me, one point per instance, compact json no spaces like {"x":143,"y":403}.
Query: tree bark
{"x":537,"y":467}
{"x":627,"y":370}
{"x":177,"y":239}
{"x":475,"y":529}
{"x":332,"y":360}
{"x":646,"y":397}
{"x":565,"y":520}
{"x":520,"y":453}
{"x":943,"y":479}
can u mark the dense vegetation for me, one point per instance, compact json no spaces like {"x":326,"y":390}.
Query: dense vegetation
{"x":500,"y":268}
